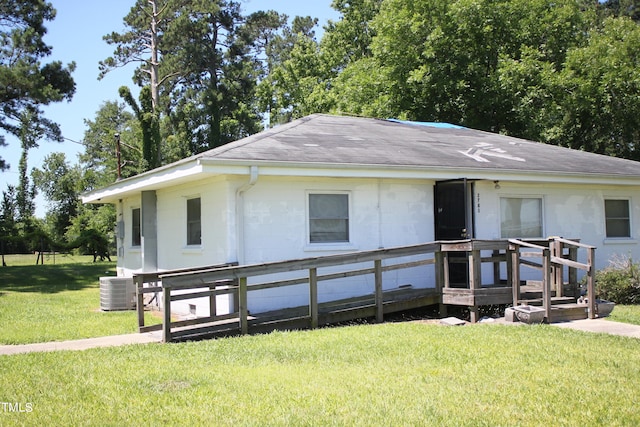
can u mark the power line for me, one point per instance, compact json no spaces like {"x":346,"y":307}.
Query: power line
{"x":75,"y":142}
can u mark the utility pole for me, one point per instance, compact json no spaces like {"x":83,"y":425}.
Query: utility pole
{"x":119,"y":171}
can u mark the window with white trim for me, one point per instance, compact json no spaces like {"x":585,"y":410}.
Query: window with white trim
{"x":136,"y":229}
{"x":617,"y":218}
{"x":194,"y":222}
{"x":520,"y":217}
{"x":328,"y":218}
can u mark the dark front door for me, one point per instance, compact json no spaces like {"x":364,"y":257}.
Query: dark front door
{"x":454,"y":221}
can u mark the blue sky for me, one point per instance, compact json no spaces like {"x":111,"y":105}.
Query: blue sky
{"x":76,"y":35}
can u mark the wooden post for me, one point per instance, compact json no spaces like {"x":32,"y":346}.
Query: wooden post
{"x":212,"y":302}
{"x":496,"y":267}
{"x":515,"y":272}
{"x":379,"y":296}
{"x":439,"y":272}
{"x":591,"y":282}
{"x":475,"y":280}
{"x":475,"y":269}
{"x":557,"y":270}
{"x":509,"y":262}
{"x":573,"y":272}
{"x":445,"y":269}
{"x":313,"y":297}
{"x":236,"y":296}
{"x":166,"y":321}
{"x":473,"y":314}
{"x":242,"y":303}
{"x":139,"y":282}
{"x":546,"y":283}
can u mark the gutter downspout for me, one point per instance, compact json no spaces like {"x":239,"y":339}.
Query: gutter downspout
{"x":253,"y":178}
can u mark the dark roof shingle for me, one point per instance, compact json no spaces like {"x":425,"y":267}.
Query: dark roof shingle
{"x":327,"y":139}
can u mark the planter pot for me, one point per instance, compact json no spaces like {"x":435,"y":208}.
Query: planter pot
{"x":604,"y":308}
{"x":529,"y":314}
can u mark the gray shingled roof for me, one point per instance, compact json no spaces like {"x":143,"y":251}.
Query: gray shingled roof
{"x":327,"y":139}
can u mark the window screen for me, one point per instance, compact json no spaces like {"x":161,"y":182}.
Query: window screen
{"x":618,"y":223}
{"x":194,"y":228}
{"x":136,"y":231}
{"x":328,"y":218}
{"x":520,"y":217}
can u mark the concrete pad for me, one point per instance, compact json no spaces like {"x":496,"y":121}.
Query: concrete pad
{"x":602,"y":326}
{"x":452,"y":321}
{"x":83,"y":344}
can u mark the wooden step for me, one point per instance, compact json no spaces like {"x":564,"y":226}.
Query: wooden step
{"x":554,"y":301}
{"x":566,"y":312}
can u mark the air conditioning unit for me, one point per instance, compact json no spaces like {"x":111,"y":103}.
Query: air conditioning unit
{"x":117,"y":293}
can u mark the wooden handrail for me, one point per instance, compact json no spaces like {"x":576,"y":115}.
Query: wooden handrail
{"x":552,"y":259}
{"x":525,"y":244}
{"x":574,"y":243}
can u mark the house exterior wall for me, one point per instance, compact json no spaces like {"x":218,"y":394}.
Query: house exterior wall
{"x":129,"y":256}
{"x":575,"y":211}
{"x":267,"y":220}
{"x":175,"y":253}
{"x":382,"y":213}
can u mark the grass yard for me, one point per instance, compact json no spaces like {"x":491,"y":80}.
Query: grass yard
{"x":407,"y":373}
{"x":412,"y":374}
{"x":58,"y":302}
{"x":626,"y":314}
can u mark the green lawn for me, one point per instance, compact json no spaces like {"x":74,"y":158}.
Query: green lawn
{"x":58,"y":302}
{"x":626,"y":314}
{"x":411,"y":374}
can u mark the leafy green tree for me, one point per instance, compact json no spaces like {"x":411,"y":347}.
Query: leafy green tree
{"x":25,"y":83}
{"x":295,"y":85}
{"x":8,"y":229}
{"x":215,"y":44}
{"x":141,"y":42}
{"x":149,"y":125}
{"x":61,"y":184}
{"x":98,"y":160}
{"x":200,"y":60}
{"x":25,"y":194}
{"x":452,"y":54}
{"x":349,"y":39}
{"x":598,"y":102}
{"x":616,"y":8}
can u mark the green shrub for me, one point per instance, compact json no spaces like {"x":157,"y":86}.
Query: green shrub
{"x":619,"y":282}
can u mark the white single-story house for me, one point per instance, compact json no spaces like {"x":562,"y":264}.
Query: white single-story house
{"x":328,"y":184}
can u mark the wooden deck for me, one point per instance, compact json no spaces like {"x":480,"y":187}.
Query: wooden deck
{"x":556,"y":260}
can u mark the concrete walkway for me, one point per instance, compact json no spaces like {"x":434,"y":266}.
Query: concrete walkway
{"x":84,"y":344}
{"x":602,"y":326}
{"x":596,"y":325}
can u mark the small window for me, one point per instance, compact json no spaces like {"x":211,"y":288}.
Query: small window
{"x":136,"y":230}
{"x":328,"y":218}
{"x":618,"y":222}
{"x":194,"y":228}
{"x":520,"y":217}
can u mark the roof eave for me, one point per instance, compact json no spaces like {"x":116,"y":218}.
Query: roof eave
{"x":346,"y":170}
{"x":152,"y":180}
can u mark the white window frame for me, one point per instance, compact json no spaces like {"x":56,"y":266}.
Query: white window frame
{"x":528,"y":196}
{"x":629,"y":218}
{"x":331,"y":245}
{"x":186,"y":222}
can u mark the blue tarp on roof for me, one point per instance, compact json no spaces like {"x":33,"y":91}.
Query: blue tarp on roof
{"x":430,"y":124}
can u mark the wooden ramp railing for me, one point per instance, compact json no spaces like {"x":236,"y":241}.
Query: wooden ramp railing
{"x":551,"y":252}
{"x":212,"y":282}
{"x":241,"y":281}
